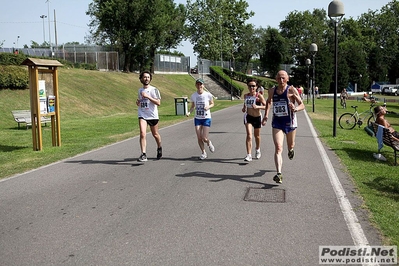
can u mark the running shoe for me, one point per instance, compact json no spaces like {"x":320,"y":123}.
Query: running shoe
{"x":143,"y":158}
{"x":258,"y":154}
{"x":248,"y":158}
{"x":291,"y":154}
{"x":203,"y":156}
{"x":278,"y":178}
{"x":159,"y":153}
{"x":211,"y":147}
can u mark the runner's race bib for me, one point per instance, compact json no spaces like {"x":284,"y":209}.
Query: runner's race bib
{"x":280,"y":108}
{"x":249,"y":101}
{"x":144,"y":103}
{"x":200,"y":109}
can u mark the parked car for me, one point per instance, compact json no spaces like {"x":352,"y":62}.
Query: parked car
{"x":194,"y":70}
{"x":390,"y":90}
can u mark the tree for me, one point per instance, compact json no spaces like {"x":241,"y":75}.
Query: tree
{"x":37,"y":45}
{"x":137,"y":28}
{"x":216,"y":27}
{"x":246,"y":47}
{"x":300,"y":29}
{"x":303,"y":28}
{"x":388,"y":26}
{"x":275,"y":51}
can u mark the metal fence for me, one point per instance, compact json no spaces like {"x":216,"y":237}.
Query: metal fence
{"x":108,"y":61}
{"x":103,"y":60}
{"x":172,"y":64}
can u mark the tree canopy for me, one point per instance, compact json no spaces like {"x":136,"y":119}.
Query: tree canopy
{"x":218,"y":29}
{"x":137,"y":28}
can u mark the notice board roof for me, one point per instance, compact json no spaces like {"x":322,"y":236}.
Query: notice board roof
{"x":41,"y":62}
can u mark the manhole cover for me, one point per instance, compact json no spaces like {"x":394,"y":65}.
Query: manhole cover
{"x":265,"y":195}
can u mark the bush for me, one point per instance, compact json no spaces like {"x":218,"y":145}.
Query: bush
{"x":7,"y":59}
{"x":14,"y":77}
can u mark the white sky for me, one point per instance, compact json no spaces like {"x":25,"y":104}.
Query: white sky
{"x":22,"y":18}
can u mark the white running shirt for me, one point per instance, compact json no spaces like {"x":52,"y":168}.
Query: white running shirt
{"x":147,"y":109}
{"x":201,"y":101}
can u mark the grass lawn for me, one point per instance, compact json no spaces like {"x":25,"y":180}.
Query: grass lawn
{"x":96,"y":108}
{"x":377,"y":181}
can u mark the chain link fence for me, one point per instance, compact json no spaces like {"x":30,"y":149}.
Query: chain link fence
{"x":104,"y":60}
{"x":171,"y":64}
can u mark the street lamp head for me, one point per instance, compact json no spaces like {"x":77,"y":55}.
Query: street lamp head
{"x":313,"y":48}
{"x":336,"y":10}
{"x":308,"y":62}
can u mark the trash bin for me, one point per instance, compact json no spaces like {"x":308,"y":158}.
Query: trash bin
{"x":181,"y":105}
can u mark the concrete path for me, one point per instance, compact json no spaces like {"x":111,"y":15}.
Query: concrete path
{"x":105,"y":208}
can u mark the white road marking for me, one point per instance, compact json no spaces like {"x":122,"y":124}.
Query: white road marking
{"x":358,"y":236}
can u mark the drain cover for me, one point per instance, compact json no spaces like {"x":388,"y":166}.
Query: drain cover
{"x":265,"y":195}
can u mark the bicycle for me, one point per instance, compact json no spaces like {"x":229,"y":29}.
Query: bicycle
{"x":350,"y":120}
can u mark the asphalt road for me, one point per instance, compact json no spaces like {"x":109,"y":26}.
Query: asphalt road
{"x":105,"y":208}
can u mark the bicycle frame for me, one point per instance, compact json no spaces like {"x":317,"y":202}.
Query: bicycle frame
{"x":350,"y":120}
{"x":365,"y":115}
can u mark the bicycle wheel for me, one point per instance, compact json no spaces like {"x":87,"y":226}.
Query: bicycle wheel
{"x":347,"y":121}
{"x":371,"y":119}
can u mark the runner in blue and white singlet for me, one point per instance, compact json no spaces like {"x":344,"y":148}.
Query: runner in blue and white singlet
{"x":283,"y":117}
{"x":285,"y":101}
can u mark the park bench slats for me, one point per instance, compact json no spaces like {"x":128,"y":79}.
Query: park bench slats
{"x":24,"y":117}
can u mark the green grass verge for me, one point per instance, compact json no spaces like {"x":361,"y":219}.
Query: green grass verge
{"x":97,"y":108}
{"x":377,"y":181}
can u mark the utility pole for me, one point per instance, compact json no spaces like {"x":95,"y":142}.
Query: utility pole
{"x":55,"y":31}
{"x":49,"y":29}
{"x":44,"y":32}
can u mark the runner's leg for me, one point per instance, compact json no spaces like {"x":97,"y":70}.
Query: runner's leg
{"x":278,"y":139}
{"x":143,"y":132}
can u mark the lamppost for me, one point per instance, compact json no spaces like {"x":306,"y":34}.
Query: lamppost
{"x":44,"y":34}
{"x":335,"y":13}
{"x":313,"y":51}
{"x":221,"y":41}
{"x":307,"y":63}
{"x":17,"y":41}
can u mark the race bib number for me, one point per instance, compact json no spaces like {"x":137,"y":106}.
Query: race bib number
{"x":200,"y":110}
{"x":280,"y":108}
{"x":144,"y":104}
{"x":249,"y":101}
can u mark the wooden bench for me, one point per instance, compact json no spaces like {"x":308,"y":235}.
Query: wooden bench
{"x":388,"y":140}
{"x":24,"y":117}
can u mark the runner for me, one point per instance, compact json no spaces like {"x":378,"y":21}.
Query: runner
{"x":283,"y":98}
{"x":202,"y":101}
{"x":253,"y":103}
{"x":148,"y":101}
